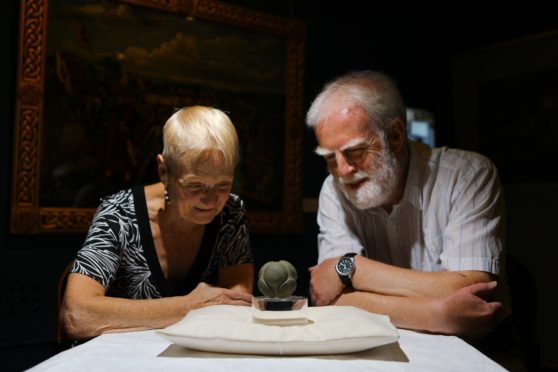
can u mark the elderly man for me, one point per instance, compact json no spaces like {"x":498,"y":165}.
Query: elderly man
{"x":405,"y":230}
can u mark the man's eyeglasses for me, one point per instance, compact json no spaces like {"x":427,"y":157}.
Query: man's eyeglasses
{"x":352,"y":154}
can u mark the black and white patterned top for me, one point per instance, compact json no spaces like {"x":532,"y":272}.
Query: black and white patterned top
{"x":119,"y":252}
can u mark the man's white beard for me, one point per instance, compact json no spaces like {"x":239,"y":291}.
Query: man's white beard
{"x":381,"y":180}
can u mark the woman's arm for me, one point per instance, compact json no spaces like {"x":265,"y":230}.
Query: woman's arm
{"x":238,"y":277}
{"x":86,"y":311}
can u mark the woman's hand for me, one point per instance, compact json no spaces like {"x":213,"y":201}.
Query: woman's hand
{"x":205,"y":295}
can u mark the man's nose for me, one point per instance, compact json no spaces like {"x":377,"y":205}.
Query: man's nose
{"x":344,"y":168}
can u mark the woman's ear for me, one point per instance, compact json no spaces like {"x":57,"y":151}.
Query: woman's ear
{"x":162,"y":169}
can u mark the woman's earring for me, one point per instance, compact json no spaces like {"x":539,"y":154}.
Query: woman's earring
{"x":167,"y":197}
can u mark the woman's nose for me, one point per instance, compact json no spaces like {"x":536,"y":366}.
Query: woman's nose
{"x":210,"y":196}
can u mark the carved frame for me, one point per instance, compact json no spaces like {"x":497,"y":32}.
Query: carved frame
{"x":29,"y":217}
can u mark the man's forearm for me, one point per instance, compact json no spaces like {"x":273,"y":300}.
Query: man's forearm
{"x":376,"y":277}
{"x":414,"y":313}
{"x":463,"y":312}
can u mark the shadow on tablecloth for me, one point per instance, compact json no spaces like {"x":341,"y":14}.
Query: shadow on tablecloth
{"x":390,"y":352}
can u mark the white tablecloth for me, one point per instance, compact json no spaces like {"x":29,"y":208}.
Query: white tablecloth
{"x":147,"y":351}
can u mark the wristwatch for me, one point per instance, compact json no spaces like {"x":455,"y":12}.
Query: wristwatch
{"x":345,"y":267}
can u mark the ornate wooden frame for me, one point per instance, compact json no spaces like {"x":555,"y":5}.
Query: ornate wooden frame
{"x":29,"y":217}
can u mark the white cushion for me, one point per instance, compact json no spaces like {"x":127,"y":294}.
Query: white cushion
{"x":329,"y":330}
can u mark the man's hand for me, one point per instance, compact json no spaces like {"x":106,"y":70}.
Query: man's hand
{"x":325,"y":285}
{"x":466,"y":313}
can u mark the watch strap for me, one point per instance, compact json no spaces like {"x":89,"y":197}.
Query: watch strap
{"x":346,"y":279}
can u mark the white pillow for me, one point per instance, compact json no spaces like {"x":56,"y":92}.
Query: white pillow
{"x":329,"y":330}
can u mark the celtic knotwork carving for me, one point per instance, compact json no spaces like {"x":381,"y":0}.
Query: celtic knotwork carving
{"x":30,"y":94}
{"x":27,"y":156}
{"x":295,"y":123}
{"x":170,"y":5}
{"x":294,"y":165}
{"x":240,"y":16}
{"x":32,"y":43}
{"x":24,"y":221}
{"x":66,"y":219}
{"x":161,"y":3}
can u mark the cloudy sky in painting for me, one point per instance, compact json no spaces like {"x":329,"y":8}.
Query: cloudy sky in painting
{"x":162,"y":45}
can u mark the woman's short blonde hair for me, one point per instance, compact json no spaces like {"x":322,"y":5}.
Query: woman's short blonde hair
{"x":198,"y":131}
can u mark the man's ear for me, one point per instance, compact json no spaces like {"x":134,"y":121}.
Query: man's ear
{"x":162,"y":169}
{"x":397,"y":135}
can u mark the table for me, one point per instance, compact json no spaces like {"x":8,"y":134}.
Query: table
{"x":147,"y":351}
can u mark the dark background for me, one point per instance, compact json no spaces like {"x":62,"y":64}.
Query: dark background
{"x":414,"y":41}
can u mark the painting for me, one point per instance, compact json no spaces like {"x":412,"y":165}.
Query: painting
{"x":98,"y":79}
{"x":506,"y":100}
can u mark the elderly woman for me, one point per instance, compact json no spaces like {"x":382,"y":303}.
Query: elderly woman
{"x":153,"y":253}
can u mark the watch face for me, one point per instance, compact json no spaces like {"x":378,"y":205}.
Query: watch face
{"x":345,"y":266}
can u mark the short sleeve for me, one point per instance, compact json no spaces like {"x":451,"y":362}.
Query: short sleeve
{"x":99,"y":257}
{"x":474,"y":235}
{"x":335,"y":237}
{"x":233,"y":243}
